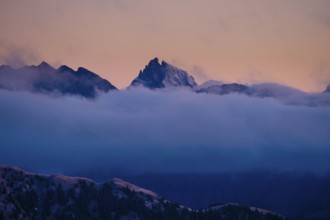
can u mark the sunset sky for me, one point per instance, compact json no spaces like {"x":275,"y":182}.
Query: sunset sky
{"x":284,"y":41}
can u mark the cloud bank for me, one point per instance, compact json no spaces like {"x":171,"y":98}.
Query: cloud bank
{"x":141,"y":131}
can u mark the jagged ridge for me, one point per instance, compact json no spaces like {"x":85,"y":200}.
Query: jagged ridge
{"x":161,"y":75}
{"x":44,"y":78}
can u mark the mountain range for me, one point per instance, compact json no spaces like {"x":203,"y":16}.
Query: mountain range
{"x":46,"y":79}
{"x":25,"y":195}
{"x":156,"y":75}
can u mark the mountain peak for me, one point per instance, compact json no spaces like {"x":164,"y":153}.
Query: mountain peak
{"x":85,"y":72}
{"x":43,"y":66}
{"x":327,"y":90}
{"x":164,"y":63}
{"x":161,"y":75}
{"x":82,"y":69}
{"x":154,"y":61}
{"x":65,"y":68}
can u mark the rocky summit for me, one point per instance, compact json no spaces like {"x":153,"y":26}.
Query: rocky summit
{"x":161,"y":75}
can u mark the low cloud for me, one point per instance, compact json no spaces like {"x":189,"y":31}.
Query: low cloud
{"x":199,"y":73}
{"x":142,"y":131}
{"x":290,"y":96}
{"x":16,"y":56}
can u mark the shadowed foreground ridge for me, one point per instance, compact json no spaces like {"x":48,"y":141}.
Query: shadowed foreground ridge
{"x":25,"y":195}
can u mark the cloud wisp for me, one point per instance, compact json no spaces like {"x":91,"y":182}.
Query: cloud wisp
{"x":159,"y":131}
{"x":16,"y":56}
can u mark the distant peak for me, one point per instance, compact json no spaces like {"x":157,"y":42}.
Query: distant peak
{"x":327,"y":90}
{"x":44,"y":65}
{"x":164,"y":63}
{"x":154,"y":60}
{"x":160,"y":75}
{"x":82,"y":69}
{"x":65,"y":68}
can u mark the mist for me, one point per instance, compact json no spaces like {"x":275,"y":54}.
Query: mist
{"x":142,"y":131}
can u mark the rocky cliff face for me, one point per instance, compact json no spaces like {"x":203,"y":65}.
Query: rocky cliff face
{"x":161,"y":75}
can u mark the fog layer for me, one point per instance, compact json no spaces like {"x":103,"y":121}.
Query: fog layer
{"x":142,"y":131}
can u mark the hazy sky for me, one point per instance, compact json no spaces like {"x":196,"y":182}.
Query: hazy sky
{"x":285,"y":41}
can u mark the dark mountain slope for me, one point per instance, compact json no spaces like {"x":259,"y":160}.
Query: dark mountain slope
{"x":26,"y":195}
{"x":46,"y":79}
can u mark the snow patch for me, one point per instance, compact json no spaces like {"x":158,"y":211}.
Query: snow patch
{"x":122,"y":184}
{"x":68,"y":181}
{"x":209,"y":83}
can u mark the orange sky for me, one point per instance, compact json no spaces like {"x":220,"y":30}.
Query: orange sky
{"x":284,"y":41}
